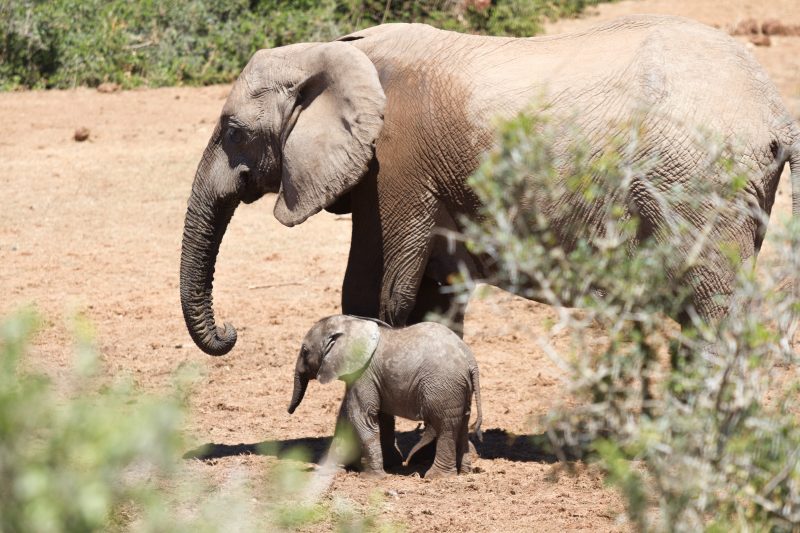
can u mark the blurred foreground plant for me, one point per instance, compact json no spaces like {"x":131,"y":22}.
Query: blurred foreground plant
{"x":97,"y":457}
{"x":694,"y":420}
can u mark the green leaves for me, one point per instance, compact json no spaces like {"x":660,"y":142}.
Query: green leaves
{"x":692,"y":426}
{"x":96,"y":454}
{"x":65,"y":43}
{"x":62,"y":463}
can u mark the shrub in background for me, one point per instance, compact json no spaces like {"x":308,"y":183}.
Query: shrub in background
{"x":66,"y":43}
{"x":694,"y":422}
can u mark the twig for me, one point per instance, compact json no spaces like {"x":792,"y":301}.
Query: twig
{"x":144,"y":44}
{"x":386,"y":10}
{"x":273,"y":285}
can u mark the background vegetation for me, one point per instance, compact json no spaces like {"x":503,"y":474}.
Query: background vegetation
{"x":697,"y":428}
{"x":66,"y":43}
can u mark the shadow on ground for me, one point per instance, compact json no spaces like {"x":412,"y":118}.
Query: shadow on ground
{"x":497,"y":444}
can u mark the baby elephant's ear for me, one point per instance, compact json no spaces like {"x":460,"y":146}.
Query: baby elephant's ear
{"x":350,"y":350}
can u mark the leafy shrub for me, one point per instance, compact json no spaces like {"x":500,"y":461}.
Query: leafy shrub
{"x":65,"y":43}
{"x":99,"y":456}
{"x":74,"y":466}
{"x":678,"y":419}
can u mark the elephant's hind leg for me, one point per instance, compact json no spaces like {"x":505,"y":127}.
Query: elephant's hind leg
{"x":447,"y":442}
{"x":427,"y":437}
{"x":465,"y":449}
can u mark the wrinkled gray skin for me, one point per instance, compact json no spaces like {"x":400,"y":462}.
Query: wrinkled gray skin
{"x":389,"y":122}
{"x":422,"y":372}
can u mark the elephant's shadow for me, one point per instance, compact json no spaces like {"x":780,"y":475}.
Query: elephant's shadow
{"x":497,"y":444}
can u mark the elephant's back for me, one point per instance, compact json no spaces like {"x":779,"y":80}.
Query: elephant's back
{"x":430,"y":351}
{"x":661,"y":64}
{"x":658,"y":64}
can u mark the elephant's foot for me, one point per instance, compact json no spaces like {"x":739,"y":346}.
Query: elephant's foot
{"x":436,"y":472}
{"x":466,"y":464}
{"x":375,"y":473}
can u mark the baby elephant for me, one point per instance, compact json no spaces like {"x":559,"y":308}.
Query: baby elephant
{"x":422,"y":372}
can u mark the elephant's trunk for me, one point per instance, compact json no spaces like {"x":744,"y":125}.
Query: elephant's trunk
{"x":300,"y":385}
{"x":206,"y":221}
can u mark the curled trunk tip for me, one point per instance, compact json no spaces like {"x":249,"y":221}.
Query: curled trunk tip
{"x":206,"y":222}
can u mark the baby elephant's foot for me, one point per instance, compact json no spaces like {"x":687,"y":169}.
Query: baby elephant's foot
{"x":435,"y":472}
{"x":375,"y":473}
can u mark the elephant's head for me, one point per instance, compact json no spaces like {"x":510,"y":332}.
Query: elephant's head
{"x":300,"y":121}
{"x":336,"y":347}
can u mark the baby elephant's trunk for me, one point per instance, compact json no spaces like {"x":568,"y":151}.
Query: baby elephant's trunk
{"x":300,"y":385}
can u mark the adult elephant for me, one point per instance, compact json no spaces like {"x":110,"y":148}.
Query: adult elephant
{"x":389,"y":122}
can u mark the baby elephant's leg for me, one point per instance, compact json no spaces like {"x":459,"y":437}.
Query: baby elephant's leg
{"x":366,"y":428}
{"x":465,"y":448}
{"x":447,"y":439}
{"x":369,"y":438}
{"x":427,"y":438}
{"x":391,"y":454}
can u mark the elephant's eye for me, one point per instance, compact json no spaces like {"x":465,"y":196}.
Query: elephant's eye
{"x":235,"y":135}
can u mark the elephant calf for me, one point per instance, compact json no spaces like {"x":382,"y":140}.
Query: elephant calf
{"x":422,"y":372}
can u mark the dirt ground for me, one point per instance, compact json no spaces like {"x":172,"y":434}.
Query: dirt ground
{"x":96,"y":226}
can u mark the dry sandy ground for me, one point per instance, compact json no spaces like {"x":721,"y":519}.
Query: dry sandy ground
{"x":96,"y":227}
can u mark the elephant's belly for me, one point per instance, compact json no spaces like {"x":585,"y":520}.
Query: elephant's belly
{"x":402,"y":409}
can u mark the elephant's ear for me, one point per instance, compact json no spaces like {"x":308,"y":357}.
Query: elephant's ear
{"x":349,"y":349}
{"x":330,"y":135}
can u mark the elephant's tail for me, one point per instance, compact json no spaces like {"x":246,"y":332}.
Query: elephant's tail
{"x":474,"y":375}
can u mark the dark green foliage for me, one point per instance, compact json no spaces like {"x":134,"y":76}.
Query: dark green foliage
{"x":64,"y":43}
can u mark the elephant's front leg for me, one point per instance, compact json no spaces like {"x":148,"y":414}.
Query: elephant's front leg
{"x":391,"y":454}
{"x":363,"y":416}
{"x":362,"y":280}
{"x":407,"y":245}
{"x":448,"y":259}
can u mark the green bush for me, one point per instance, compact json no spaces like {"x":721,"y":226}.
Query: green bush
{"x":75,"y":465}
{"x":65,"y":43}
{"x":96,"y":454}
{"x":692,"y":423}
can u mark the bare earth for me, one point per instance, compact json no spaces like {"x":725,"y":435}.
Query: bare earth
{"x":96,"y":227}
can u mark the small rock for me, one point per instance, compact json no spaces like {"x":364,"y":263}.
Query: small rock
{"x":746,"y":27}
{"x":391,"y":493}
{"x":760,"y":40}
{"x":776,"y":27}
{"x":81,"y":134}
{"x":773,"y":27}
{"x":108,"y":87}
